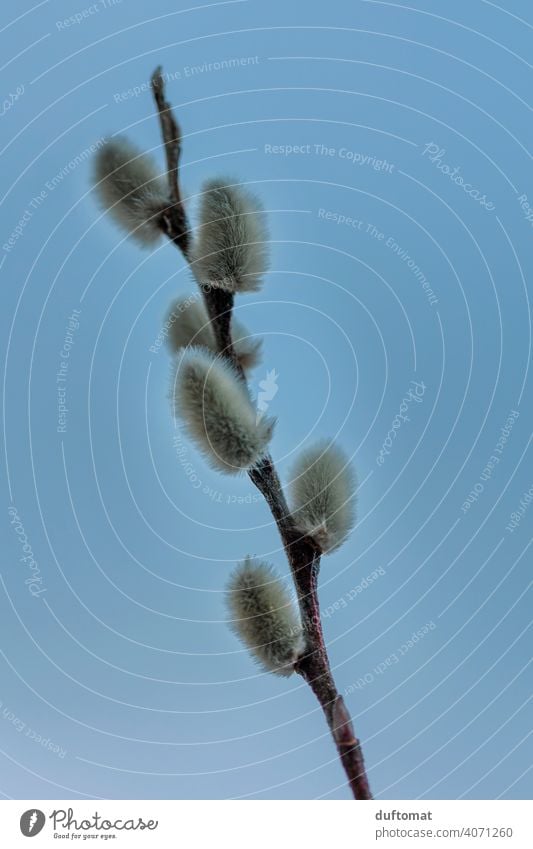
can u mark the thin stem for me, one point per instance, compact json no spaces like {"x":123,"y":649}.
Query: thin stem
{"x":174,"y":219}
{"x":219,"y":305}
{"x":302,"y":551}
{"x":313,"y":665}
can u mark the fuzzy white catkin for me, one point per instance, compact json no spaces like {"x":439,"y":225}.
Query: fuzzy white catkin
{"x":188,"y":324}
{"x":323,"y":494}
{"x":217,"y":411}
{"x":129,"y":187}
{"x":230,"y":247}
{"x":264,"y":618}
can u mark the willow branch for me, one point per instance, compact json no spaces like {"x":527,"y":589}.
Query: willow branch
{"x":302,"y":551}
{"x":174,"y":219}
{"x":313,"y":665}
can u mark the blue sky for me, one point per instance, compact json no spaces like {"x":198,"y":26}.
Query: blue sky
{"x":390,"y":146}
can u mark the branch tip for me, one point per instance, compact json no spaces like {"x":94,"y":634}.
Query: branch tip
{"x":303,"y":551}
{"x":175,"y":220}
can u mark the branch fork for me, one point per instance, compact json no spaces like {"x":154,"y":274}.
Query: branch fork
{"x":228,"y":255}
{"x":302,"y":551}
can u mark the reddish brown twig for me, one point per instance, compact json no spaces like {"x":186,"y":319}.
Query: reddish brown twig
{"x":302,"y":552}
{"x":174,"y":220}
{"x":313,"y":665}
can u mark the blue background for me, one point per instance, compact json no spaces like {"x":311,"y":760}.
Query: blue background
{"x":126,"y":661}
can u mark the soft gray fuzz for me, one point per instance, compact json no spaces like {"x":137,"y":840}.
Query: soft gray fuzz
{"x":264,"y":618}
{"x":129,"y":187}
{"x":214,"y":404}
{"x":188,"y":324}
{"x":230,"y":247}
{"x":323,"y":494}
{"x":247,"y":349}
